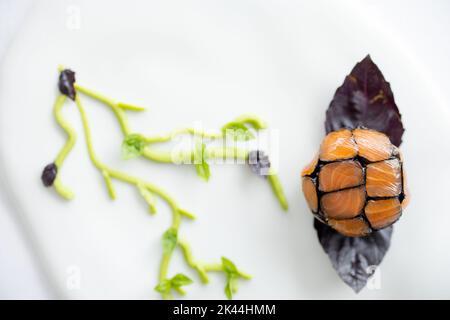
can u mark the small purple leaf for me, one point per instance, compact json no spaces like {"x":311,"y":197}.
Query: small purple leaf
{"x":66,"y":83}
{"x":365,"y":99}
{"x":354,"y":259}
{"x":49,"y":174}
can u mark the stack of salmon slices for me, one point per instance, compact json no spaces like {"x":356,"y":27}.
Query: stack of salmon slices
{"x":356,"y":183}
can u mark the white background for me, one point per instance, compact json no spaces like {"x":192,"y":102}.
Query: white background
{"x":422,"y":27}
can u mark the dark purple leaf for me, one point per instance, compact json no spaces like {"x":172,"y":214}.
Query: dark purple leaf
{"x":65,"y":83}
{"x":365,"y":99}
{"x":49,"y":174}
{"x":354,"y":258}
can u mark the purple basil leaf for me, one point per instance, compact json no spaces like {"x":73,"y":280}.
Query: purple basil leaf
{"x":354,"y":258}
{"x":365,"y":99}
{"x":66,"y":83}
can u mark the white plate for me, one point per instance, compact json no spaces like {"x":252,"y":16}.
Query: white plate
{"x":210,"y":61}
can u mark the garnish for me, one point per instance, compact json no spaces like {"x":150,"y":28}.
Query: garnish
{"x":238,"y":131}
{"x":232,"y":275}
{"x":136,"y":144}
{"x":354,"y":258}
{"x":200,"y":161}
{"x":176,"y":282}
{"x":66,"y":83}
{"x":49,"y":174}
{"x":365,"y":99}
{"x":133,"y":145}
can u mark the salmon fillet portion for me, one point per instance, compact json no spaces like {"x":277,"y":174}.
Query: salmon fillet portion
{"x":340,"y":175}
{"x":383,"y":179}
{"x":338,"y":145}
{"x":343,"y":204}
{"x":309,"y":190}
{"x":382,"y":213}
{"x":355,"y":227}
{"x":372,"y":145}
{"x":309,"y":169}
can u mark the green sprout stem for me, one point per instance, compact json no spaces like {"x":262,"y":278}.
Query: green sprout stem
{"x":70,"y":142}
{"x":191,"y":131}
{"x":203,"y":268}
{"x":278,"y":190}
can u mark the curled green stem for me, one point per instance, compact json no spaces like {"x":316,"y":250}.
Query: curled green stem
{"x":182,"y":131}
{"x":61,"y":189}
{"x":277,"y":189}
{"x":227,"y":153}
{"x":188,"y":257}
{"x":203,"y":268}
{"x":163,"y":269}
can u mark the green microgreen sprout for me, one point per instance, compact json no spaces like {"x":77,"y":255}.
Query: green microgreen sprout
{"x":200,"y":161}
{"x":176,"y":282}
{"x":134,"y":145}
{"x":232,"y":275}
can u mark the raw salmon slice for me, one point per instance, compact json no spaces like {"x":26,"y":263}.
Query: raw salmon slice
{"x":372,"y":145}
{"x":309,"y":190}
{"x":343,"y":204}
{"x":382,"y":213}
{"x":338,"y":145}
{"x":309,"y":169}
{"x":355,"y":227}
{"x":383,"y":179}
{"x":340,"y":175}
